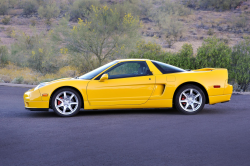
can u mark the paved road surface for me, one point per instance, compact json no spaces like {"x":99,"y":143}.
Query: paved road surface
{"x":218,"y":136}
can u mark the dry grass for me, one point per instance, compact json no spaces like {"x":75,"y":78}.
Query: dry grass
{"x":13,"y":74}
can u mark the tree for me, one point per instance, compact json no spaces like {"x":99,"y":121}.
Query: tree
{"x":240,"y":67}
{"x":49,"y":11}
{"x":104,"y":34}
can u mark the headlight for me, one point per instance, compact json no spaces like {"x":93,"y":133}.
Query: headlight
{"x":40,"y":85}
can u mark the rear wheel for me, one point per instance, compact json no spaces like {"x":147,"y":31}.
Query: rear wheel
{"x":189,"y":99}
{"x":66,"y":102}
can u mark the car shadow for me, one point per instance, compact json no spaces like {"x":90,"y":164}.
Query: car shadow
{"x":82,"y":112}
{"x":162,"y":111}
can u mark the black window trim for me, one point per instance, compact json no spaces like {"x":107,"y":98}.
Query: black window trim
{"x":120,"y":63}
{"x":163,"y":71}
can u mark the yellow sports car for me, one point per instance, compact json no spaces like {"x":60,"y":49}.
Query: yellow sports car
{"x":133,"y":83}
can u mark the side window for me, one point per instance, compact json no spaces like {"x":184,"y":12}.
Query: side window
{"x":129,"y":69}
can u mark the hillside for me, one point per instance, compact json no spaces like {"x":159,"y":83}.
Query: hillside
{"x":230,"y":26}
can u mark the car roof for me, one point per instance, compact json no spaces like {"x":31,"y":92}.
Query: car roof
{"x":122,"y":60}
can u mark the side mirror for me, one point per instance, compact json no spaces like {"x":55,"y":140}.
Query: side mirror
{"x":104,"y":77}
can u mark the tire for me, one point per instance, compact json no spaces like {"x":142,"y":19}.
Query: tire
{"x":66,"y":102}
{"x":189,"y":99}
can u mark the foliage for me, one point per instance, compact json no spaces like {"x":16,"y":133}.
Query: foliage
{"x":4,"y":7}
{"x":210,"y":32}
{"x":82,"y":8}
{"x":185,"y":58}
{"x":4,"y":55}
{"x":103,"y":35}
{"x":213,"y":53}
{"x":48,"y":11}
{"x":29,"y":7}
{"x":240,"y":66}
{"x":36,"y":52}
{"x":213,"y":4}
{"x":6,"y":20}
{"x":18,"y":80}
{"x":144,"y":50}
{"x":239,"y":21}
{"x":171,"y":28}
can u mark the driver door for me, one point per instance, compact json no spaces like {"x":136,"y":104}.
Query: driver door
{"x":129,"y":83}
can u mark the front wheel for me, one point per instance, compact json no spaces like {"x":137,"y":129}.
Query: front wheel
{"x":66,"y":102}
{"x":189,"y":99}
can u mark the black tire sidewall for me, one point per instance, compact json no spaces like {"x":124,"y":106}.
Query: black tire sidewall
{"x":177,"y":104}
{"x":70,"y":90}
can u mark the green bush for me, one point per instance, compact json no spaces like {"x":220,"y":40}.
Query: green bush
{"x":82,"y":8}
{"x":213,"y":4}
{"x":213,"y":53}
{"x":6,"y":20}
{"x":36,"y":52}
{"x":29,"y":7}
{"x":4,"y":8}
{"x":185,"y":58}
{"x":4,"y":55}
{"x":18,"y":80}
{"x":240,"y":66}
{"x":48,"y":11}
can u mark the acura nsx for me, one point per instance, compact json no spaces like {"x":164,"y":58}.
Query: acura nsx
{"x":133,"y":83}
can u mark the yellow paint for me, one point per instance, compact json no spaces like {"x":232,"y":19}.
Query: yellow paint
{"x":152,"y":91}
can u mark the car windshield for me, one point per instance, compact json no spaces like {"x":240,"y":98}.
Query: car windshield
{"x":166,"y":68}
{"x":92,"y":74}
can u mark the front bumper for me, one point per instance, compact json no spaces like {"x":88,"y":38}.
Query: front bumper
{"x":33,"y":100}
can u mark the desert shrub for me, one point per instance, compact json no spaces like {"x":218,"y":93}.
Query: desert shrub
{"x":4,"y":55}
{"x":4,"y":7}
{"x":36,"y":52}
{"x":219,"y":5}
{"x":48,"y":11}
{"x":82,"y":8}
{"x":9,"y":31}
{"x":213,"y":53}
{"x":239,"y":21}
{"x":33,"y":22}
{"x":240,"y":66}
{"x":6,"y":20}
{"x":210,"y":32}
{"x":171,"y":28}
{"x":29,"y":7}
{"x":18,"y":80}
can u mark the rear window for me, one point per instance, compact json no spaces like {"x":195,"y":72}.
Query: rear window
{"x":166,"y":68}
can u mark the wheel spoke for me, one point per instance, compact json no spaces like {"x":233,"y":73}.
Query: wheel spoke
{"x":71,"y":97}
{"x":59,"y":105}
{"x":197,"y":102}
{"x":186,"y":106}
{"x":184,"y":101}
{"x":184,"y":94}
{"x":59,"y":99}
{"x":197,"y":96}
{"x":64,"y":109}
{"x":191,"y":91}
{"x":192,"y":105}
{"x":71,"y":110}
{"x":73,"y":103}
{"x":64,"y":94}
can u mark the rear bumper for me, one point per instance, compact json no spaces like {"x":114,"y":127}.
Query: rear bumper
{"x":219,"y":99}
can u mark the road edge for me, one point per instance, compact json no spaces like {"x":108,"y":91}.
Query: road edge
{"x":18,"y":85}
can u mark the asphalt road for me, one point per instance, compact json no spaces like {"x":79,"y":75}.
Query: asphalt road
{"x":218,"y":136}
